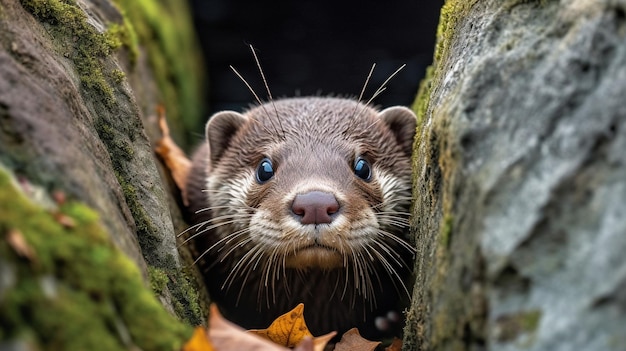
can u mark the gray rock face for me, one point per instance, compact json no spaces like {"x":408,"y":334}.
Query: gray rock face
{"x":520,"y":217}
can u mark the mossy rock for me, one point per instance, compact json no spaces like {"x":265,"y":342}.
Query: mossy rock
{"x":68,"y":287}
{"x":519,"y":179}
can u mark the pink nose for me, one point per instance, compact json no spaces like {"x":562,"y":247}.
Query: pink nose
{"x":315,"y":207}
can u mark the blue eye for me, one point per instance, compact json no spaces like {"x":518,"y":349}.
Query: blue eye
{"x":362,"y":169}
{"x":265,"y":171}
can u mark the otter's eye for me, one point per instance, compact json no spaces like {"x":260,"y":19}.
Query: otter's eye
{"x":362,"y":169}
{"x":265,"y":171}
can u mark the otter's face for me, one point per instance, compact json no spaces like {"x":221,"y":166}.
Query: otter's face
{"x":318,"y":183}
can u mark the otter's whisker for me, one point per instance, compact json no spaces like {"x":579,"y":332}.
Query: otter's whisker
{"x":236,"y":234}
{"x":204,"y":230}
{"x":393,"y":274}
{"x":261,"y":104}
{"x":356,"y":107}
{"x":269,"y":93}
{"x":397,"y":240}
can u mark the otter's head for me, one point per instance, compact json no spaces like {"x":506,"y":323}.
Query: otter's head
{"x":310,"y":183}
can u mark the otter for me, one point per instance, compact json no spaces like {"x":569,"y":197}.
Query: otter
{"x":305,"y":200}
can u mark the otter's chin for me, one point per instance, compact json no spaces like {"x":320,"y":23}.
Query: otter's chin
{"x":314,"y":257}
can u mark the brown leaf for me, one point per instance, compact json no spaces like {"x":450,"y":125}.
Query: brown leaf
{"x":319,"y":342}
{"x":64,"y":220}
{"x":174,"y":158}
{"x":16,"y":241}
{"x":353,"y":341}
{"x":287,"y":330}
{"x":226,"y":336}
{"x":59,"y":197}
{"x":396,"y":345}
{"x":305,"y":345}
{"x":199,"y":341}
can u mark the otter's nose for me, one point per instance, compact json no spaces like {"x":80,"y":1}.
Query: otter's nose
{"x":315,"y":207}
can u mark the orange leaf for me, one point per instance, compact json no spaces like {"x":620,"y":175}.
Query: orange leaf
{"x":226,"y":336}
{"x":199,"y":341}
{"x":287,"y":330}
{"x":174,"y":158}
{"x":396,"y":345}
{"x":353,"y":341}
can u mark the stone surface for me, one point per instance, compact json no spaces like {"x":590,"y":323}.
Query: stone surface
{"x":65,"y":286}
{"x":69,"y":121}
{"x":520,"y":179}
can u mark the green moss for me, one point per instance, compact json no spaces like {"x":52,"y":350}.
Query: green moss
{"x":451,"y":12}
{"x":118,"y":75}
{"x":123,"y":35}
{"x":81,"y":42}
{"x":164,"y":30}
{"x":423,"y":94}
{"x":77,"y":291}
{"x":187,"y":299}
{"x":117,"y":145}
{"x":511,"y":326}
{"x":158,"y":279}
{"x":146,"y":232}
{"x":531,"y":320}
{"x":445,"y":231}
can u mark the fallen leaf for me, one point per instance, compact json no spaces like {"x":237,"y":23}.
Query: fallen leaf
{"x":353,"y":341}
{"x":319,"y":342}
{"x":287,"y":330}
{"x":59,"y":197}
{"x":226,"y":336}
{"x":64,"y":220}
{"x":16,"y":240}
{"x":174,"y":158}
{"x":199,"y":341}
{"x":305,"y":345}
{"x":396,"y":345}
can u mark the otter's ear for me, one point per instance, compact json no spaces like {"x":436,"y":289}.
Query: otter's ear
{"x":220,"y":129}
{"x":402,"y":122}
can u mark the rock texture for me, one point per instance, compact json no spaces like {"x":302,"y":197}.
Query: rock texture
{"x":70,"y":121}
{"x":520,"y":179}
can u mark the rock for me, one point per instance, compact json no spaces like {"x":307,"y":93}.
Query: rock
{"x":65,"y":286}
{"x":520,"y":179}
{"x":70,"y":121}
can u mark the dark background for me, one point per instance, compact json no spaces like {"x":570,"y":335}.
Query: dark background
{"x":314,"y":47}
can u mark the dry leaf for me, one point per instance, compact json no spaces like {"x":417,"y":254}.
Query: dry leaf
{"x":174,"y":158}
{"x":305,"y":345}
{"x":226,"y":336}
{"x":287,"y":330}
{"x":319,"y":342}
{"x":353,"y":341}
{"x":64,"y":220}
{"x":59,"y":197}
{"x":16,"y":240}
{"x":199,"y":341}
{"x":396,"y":345}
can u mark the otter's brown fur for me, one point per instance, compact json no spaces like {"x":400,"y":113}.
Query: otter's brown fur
{"x":259,"y":256}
